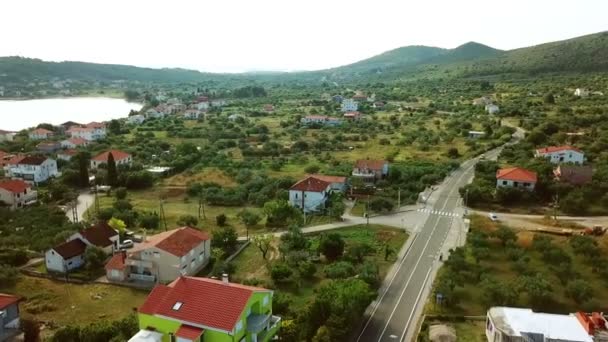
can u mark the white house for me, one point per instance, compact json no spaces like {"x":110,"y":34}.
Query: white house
{"x":91,"y":132}
{"x":6,"y":135}
{"x":517,"y":324}
{"x":192,"y":114}
{"x":40,"y":134}
{"x":476,"y":134}
{"x":370,"y":170}
{"x":120,"y":158}
{"x":100,"y":235}
{"x":581,"y":92}
{"x":137,"y":119}
{"x":163,"y":257}
{"x":309,"y":194}
{"x":492,"y":109}
{"x":74,"y":143}
{"x":152,"y":113}
{"x":561,"y":154}
{"x":218,"y":103}
{"x":17,"y":193}
{"x":65,"y":257}
{"x":349,"y":105}
{"x":320,"y":119}
{"x":516,"y":177}
{"x":67,"y":154}
{"x":33,"y":169}
{"x":202,"y":103}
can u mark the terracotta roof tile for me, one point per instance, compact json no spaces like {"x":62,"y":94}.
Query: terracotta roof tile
{"x":117,"y":262}
{"x":517,"y":174}
{"x":15,"y":186}
{"x":552,"y":149}
{"x":189,"y":332}
{"x":179,"y":241}
{"x":370,"y":164}
{"x":117,"y":154}
{"x":329,"y":179}
{"x":99,"y":234}
{"x":77,"y":141}
{"x":6,"y":300}
{"x":71,"y":248}
{"x":207,"y":302}
{"x":311,"y":184}
{"x":32,"y":160}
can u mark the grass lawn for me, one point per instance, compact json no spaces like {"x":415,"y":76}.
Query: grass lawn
{"x":469,"y":330}
{"x":209,"y":174}
{"x":61,"y":303}
{"x":359,"y":208}
{"x":250,"y":264}
{"x":177,"y":204}
{"x":497,"y":264}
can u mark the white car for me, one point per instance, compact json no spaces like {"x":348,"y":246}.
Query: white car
{"x":493,"y":217}
{"x":127,"y":244}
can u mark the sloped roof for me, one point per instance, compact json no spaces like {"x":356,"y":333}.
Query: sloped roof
{"x":205,"y":301}
{"x":99,"y":234}
{"x":189,"y":332}
{"x":517,"y":174}
{"x":117,"y":262}
{"x":551,"y":149}
{"x":574,"y":174}
{"x":370,"y":164}
{"x":71,"y":248}
{"x":41,"y":131}
{"x":179,"y":241}
{"x":77,"y":141}
{"x":95,"y":125}
{"x":6,"y":300}
{"x":32,"y":160}
{"x":68,"y":152}
{"x":329,"y":179}
{"x":117,"y":154}
{"x":15,"y":186}
{"x":310,"y":184}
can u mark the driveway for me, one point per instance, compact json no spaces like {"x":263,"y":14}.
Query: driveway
{"x":84,"y":201}
{"x":524,"y":221}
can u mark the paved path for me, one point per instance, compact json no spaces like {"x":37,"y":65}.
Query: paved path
{"x":85,"y":199}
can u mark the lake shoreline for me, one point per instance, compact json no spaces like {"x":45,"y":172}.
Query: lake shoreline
{"x":64,"y":97}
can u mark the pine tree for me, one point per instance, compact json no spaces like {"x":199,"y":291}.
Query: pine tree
{"x":83,"y":166}
{"x":112,"y":173}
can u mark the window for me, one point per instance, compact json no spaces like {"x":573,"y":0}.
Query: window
{"x":296,"y":195}
{"x":526,"y":184}
{"x":157,"y":255}
{"x":171,"y":337}
{"x":184,"y":267}
{"x":177,"y":306}
{"x":504,"y":182}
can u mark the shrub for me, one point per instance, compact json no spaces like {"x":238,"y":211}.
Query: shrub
{"x":339,"y":270}
{"x":187,"y":220}
{"x":280,"y":272}
{"x":8,"y":276}
{"x":120,"y":193}
{"x":331,"y":245}
{"x":221,"y":220}
{"x":370,"y":273}
{"x":307,"y":269}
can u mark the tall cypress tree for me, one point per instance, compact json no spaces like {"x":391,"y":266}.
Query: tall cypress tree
{"x":112,"y":173}
{"x":83,"y":167}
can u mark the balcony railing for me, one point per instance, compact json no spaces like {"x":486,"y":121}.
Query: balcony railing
{"x":267,"y":335}
{"x":142,"y":277}
{"x":363,"y":174}
{"x":256,"y":323}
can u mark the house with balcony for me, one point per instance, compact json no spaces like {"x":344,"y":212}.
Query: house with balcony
{"x":74,"y":143}
{"x":337,"y":183}
{"x":33,"y":169}
{"x":40,"y":134}
{"x":309,"y":194}
{"x":120,"y":158}
{"x":162,"y":258}
{"x":9,"y":317}
{"x":194,"y":309}
{"x":561,"y":154}
{"x":70,"y":254}
{"x":48,"y":147}
{"x":516,"y":177}
{"x":67,"y":155}
{"x":17,"y":194}
{"x":370,"y":170}
{"x":90,"y":132}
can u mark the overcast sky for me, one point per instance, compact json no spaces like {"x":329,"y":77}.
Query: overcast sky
{"x":242,"y":35}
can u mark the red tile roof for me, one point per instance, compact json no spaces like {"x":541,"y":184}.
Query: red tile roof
{"x":78,"y":141}
{"x":79,"y":129}
{"x":6,"y":300}
{"x":15,"y":186}
{"x":205,"y":301}
{"x":117,"y":262}
{"x":95,"y":125}
{"x":40,"y":131}
{"x":32,"y":160}
{"x":310,"y":184}
{"x":68,"y":152}
{"x":179,"y":241}
{"x":330,"y":179}
{"x":189,"y":332}
{"x":370,"y":164}
{"x":517,"y":174}
{"x":15,"y":160}
{"x":71,"y":248}
{"x":574,"y":174}
{"x":117,"y":154}
{"x":552,"y":149}
{"x":99,"y":234}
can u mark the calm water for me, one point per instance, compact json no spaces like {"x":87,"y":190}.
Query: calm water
{"x":17,"y":115}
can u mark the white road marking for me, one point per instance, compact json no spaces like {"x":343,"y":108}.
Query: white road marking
{"x":428,"y":274}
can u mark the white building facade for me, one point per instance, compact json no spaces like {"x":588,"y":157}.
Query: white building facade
{"x":561,"y":154}
{"x":349,"y":105}
{"x":34,"y":169}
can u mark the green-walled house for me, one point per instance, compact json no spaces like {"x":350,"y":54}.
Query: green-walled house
{"x":192,"y":309}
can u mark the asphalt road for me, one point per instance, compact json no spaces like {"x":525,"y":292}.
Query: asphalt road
{"x":394,"y":317}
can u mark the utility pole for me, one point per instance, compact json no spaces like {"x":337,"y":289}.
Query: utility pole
{"x":398,"y":199}
{"x":555,"y":206}
{"x":162,"y":214}
{"x":201,"y":207}
{"x":367,"y":211}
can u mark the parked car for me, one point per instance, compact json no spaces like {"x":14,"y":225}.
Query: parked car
{"x":493,"y":216}
{"x":127,"y":244}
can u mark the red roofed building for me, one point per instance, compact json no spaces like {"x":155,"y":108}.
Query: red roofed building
{"x":338,"y":183}
{"x":163,"y":257}
{"x":370,"y":170}
{"x":17,"y":193}
{"x":516,"y":177}
{"x":203,"y":309}
{"x":310,"y":194}
{"x":561,"y":154}
{"x":40,"y":134}
{"x":352,"y":115}
{"x":120,"y":157}
{"x":66,"y":154}
{"x":9,"y":317}
{"x":74,"y":143}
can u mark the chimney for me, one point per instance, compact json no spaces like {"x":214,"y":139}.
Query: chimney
{"x":225,"y":278}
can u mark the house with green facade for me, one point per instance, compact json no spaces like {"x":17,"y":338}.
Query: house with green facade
{"x":192,"y":309}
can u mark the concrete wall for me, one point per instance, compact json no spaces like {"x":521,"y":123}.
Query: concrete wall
{"x":513,"y":184}
{"x":312,"y":200}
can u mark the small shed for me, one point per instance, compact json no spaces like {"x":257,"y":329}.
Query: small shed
{"x":442,"y":333}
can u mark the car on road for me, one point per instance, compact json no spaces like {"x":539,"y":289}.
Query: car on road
{"x":127,"y":244}
{"x":493,"y":216}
